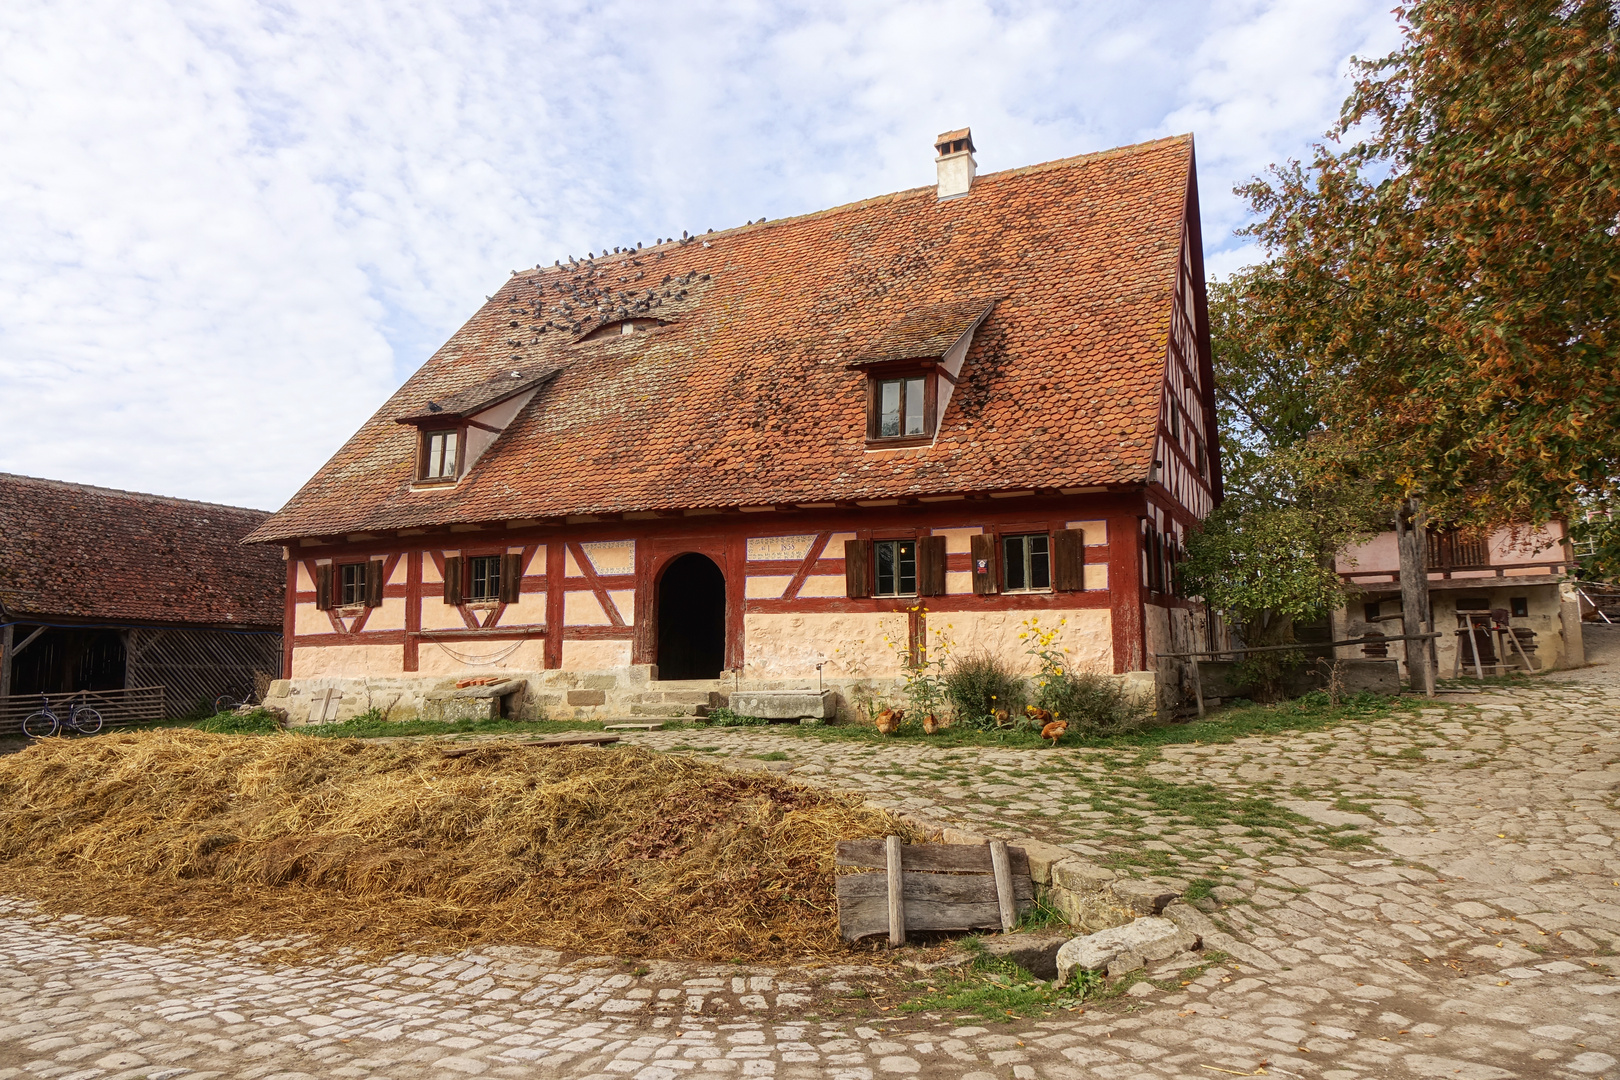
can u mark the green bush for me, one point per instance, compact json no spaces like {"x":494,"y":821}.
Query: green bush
{"x":1093,"y":704}
{"x":724,"y":717}
{"x":257,"y":722}
{"x":979,"y":683}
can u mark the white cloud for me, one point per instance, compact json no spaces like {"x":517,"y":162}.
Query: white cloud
{"x":231,"y":229}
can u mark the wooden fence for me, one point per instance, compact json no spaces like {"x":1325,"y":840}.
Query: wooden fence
{"x":118,"y":708}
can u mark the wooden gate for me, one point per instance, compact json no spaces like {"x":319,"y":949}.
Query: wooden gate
{"x":118,"y":708}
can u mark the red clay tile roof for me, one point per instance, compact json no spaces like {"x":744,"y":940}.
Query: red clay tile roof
{"x":746,"y":399}
{"x":80,"y":552}
{"x":485,"y":395}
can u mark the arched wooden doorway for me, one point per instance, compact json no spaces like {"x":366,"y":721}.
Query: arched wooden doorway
{"x":691,"y":619}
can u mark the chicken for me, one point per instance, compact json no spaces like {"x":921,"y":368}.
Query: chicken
{"x":930,"y":724}
{"x":1001,"y":718}
{"x":1040,"y":716}
{"x":1055,"y":730}
{"x":888,"y":721}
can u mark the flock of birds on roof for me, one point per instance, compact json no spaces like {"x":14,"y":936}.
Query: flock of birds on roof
{"x":1052,"y":727}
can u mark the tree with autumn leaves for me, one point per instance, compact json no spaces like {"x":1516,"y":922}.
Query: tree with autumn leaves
{"x":1442,"y":286}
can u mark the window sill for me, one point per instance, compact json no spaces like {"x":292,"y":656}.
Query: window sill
{"x":483,"y":605}
{"x":899,"y":442}
{"x":1026,"y":592}
{"x":433,"y":485}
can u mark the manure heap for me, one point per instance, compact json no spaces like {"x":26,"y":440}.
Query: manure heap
{"x":389,"y":846}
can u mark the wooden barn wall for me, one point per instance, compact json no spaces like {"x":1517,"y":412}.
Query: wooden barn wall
{"x":198,"y":665}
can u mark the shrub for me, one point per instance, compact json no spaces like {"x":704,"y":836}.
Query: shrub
{"x":980,"y":683}
{"x":1093,"y":704}
{"x":724,"y":717}
{"x":257,"y":722}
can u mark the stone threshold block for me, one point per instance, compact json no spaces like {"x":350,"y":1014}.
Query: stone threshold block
{"x":785,"y":704}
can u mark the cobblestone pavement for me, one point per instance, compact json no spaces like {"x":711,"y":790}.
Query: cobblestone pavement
{"x":1431,"y":895}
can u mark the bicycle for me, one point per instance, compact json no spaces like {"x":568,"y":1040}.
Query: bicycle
{"x":45,"y":723}
{"x":230,"y":702}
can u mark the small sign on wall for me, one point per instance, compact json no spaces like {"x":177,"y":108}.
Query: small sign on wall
{"x":777,"y":548}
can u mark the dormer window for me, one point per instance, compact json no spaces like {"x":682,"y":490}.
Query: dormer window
{"x":623,"y":327}
{"x":440,"y":455}
{"x":900,"y":407}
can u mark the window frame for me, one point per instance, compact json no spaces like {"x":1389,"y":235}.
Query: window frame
{"x":877,"y":572}
{"x":1002,"y":538}
{"x":342,"y":587}
{"x":875,"y":378}
{"x":425,"y":441}
{"x":469,"y":562}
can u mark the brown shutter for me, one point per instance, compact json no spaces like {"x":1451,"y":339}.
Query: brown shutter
{"x":374,"y":583}
{"x":858,"y":568}
{"x":982,"y":553}
{"x":323,"y":586}
{"x":931,"y":566}
{"x":511,"y":578}
{"x":452,"y":580}
{"x":1069,"y":560}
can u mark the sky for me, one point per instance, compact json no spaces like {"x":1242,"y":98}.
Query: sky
{"x":228,"y":230}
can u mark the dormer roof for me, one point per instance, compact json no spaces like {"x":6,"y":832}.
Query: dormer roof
{"x":480,"y":396}
{"x":926,"y":333}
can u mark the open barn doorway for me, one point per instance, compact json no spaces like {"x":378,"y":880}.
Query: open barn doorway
{"x":691,"y":619}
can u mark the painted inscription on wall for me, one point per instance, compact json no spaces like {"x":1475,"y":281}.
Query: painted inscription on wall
{"x":772,"y":548}
{"x":611,"y":556}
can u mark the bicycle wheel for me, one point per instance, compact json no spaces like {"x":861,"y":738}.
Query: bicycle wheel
{"x":40,"y":725}
{"x":85,"y":720}
{"x":225,"y":703}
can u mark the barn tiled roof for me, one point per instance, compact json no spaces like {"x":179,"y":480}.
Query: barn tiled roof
{"x":747,"y":397}
{"x":79,"y":552}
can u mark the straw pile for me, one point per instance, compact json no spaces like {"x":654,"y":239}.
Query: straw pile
{"x":612,"y":850}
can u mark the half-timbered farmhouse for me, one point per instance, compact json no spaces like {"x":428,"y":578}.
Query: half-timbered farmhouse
{"x":104,"y":590}
{"x":927,"y":416}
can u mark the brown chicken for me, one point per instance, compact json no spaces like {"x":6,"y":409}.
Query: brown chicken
{"x":930,"y":724}
{"x":1055,"y":730}
{"x":888,"y":721}
{"x":1040,"y":716}
{"x":1001,"y":718}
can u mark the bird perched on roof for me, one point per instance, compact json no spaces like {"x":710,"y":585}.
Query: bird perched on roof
{"x":1055,"y":730}
{"x":888,"y":721}
{"x":930,"y":724}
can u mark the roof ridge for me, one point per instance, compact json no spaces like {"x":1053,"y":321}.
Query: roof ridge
{"x":871,"y":200}
{"x":173,"y":499}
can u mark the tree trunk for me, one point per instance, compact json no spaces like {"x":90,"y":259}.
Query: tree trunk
{"x":1415,"y":614}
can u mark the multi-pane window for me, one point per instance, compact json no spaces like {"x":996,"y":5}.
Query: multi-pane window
{"x":440,"y":459}
{"x":353,"y":584}
{"x":1027,"y":562}
{"x":896,"y":567}
{"x":484,"y":577}
{"x":900,"y":408}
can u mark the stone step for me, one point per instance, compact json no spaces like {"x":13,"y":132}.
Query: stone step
{"x":669,"y":710}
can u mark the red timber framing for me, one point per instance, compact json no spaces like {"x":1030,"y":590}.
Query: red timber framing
{"x":1114,"y":525}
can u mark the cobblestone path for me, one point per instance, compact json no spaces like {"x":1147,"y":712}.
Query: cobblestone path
{"x":1435,"y":895}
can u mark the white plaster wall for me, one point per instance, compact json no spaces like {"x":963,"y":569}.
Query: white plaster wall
{"x":958,"y":582}
{"x":438,"y":615}
{"x":1087,"y":634}
{"x":581,"y":608}
{"x":537,"y":563}
{"x":850,"y":643}
{"x":823,"y":585}
{"x":608,"y":557}
{"x":348,"y":661}
{"x":464,"y":658}
{"x":305,"y":582}
{"x":595,"y":655}
{"x":1096,"y":577}
{"x":625,"y":601}
{"x":402,"y":572}
{"x":309,"y":619}
{"x":766,"y":586}
{"x":389,"y":615}
{"x":530,"y":610}
{"x":1096,"y":532}
{"x":958,"y":541}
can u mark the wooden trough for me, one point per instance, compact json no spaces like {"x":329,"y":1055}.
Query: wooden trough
{"x":931,"y":887}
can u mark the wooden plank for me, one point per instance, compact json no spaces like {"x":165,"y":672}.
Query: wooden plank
{"x":583,"y":738}
{"x":1004,"y":886}
{"x":960,"y":858}
{"x":894,"y":886}
{"x":962,"y":902}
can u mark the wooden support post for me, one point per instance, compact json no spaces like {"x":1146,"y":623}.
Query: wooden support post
{"x":897,"y":899}
{"x":7,"y":636}
{"x":1431,"y":670}
{"x":1198,"y":687}
{"x":1005,"y":900}
{"x":1473,"y":649}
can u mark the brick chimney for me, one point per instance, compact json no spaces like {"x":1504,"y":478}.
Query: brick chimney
{"x":955,"y":162}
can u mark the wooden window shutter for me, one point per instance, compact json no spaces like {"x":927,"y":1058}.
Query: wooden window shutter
{"x":511,"y":578}
{"x":982,"y":554}
{"x":323,"y":586}
{"x":1069,"y":560}
{"x":931,"y":566}
{"x":452,"y":580}
{"x":858,"y":568}
{"x":374,"y":583}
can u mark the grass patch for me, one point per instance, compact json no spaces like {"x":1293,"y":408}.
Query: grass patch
{"x":1198,"y":889}
{"x":999,"y":990}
